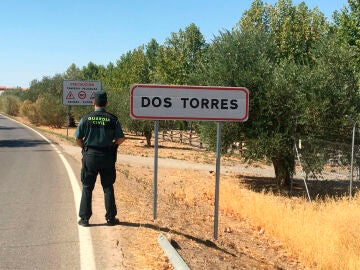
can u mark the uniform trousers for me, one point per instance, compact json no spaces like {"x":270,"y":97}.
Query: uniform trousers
{"x":94,"y":164}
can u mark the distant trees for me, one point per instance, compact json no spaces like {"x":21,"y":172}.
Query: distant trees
{"x":179,"y":57}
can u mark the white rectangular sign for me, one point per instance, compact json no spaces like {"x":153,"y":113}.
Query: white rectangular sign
{"x":171,"y":102}
{"x":79,"y":93}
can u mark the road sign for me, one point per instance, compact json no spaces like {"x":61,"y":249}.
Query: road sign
{"x":79,"y":93}
{"x":200,"y":103}
{"x":182,"y":102}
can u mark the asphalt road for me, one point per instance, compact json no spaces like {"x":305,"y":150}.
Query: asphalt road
{"x":38,"y":222}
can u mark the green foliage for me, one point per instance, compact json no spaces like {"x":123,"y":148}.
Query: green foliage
{"x":79,"y":111}
{"x":272,"y":55}
{"x":230,"y":133}
{"x":301,"y":72}
{"x":10,"y":104}
{"x":91,"y":71}
{"x":30,"y":111}
{"x":348,"y":23}
{"x":292,"y":28}
{"x":333,"y":79}
{"x":257,"y":17}
{"x":152,"y":53}
{"x":180,"y":56}
{"x":73,"y":73}
{"x":51,"y":110}
{"x":118,"y":104}
{"x":314,"y":155}
{"x":240,"y":59}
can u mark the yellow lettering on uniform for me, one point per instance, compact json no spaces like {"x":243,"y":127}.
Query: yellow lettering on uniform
{"x":97,"y":120}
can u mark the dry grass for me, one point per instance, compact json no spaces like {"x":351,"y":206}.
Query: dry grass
{"x":322,"y":234}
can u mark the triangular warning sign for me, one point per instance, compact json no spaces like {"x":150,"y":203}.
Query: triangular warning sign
{"x":92,"y":95}
{"x":70,"y":95}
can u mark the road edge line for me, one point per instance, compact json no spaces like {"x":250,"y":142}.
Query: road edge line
{"x":87,"y":258}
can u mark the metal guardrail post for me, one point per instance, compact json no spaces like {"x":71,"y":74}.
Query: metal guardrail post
{"x":177,"y":262}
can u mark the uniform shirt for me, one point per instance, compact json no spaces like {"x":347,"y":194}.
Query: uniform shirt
{"x":99,"y":129}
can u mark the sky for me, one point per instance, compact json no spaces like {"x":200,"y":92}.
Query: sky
{"x":42,"y":38}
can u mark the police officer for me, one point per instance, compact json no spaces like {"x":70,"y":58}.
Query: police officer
{"x":99,"y":134}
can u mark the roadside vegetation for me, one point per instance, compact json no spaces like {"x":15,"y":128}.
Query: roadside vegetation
{"x":302,"y":72}
{"x":322,"y":233}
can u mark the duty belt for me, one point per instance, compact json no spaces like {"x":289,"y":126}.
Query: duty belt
{"x":98,"y":148}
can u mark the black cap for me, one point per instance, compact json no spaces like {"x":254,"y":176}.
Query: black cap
{"x":100,"y":98}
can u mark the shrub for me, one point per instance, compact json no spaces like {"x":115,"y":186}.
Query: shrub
{"x":10,"y":104}
{"x":51,"y":111}
{"x":29,"y":110}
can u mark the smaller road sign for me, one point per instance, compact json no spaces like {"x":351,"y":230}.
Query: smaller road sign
{"x":201,"y":103}
{"x":79,"y":93}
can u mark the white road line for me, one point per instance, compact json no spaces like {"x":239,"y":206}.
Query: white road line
{"x":87,"y":259}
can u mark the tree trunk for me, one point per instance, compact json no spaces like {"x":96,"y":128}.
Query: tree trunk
{"x":148,"y":137}
{"x":284,"y":167}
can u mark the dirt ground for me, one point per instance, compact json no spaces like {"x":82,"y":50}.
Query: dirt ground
{"x":185,"y":214}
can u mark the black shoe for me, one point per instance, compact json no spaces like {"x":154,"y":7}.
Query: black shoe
{"x":83,"y":222}
{"x":112,"y":221}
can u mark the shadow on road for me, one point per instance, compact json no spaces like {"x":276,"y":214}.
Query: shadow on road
{"x":10,"y":128}
{"x":21,"y":143}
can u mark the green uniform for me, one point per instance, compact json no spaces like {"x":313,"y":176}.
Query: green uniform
{"x":98,"y":130}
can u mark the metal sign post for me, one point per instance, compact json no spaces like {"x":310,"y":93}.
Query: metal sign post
{"x":217,"y":180}
{"x":156,"y":146}
{"x":352,"y":160}
{"x":67,"y":121}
